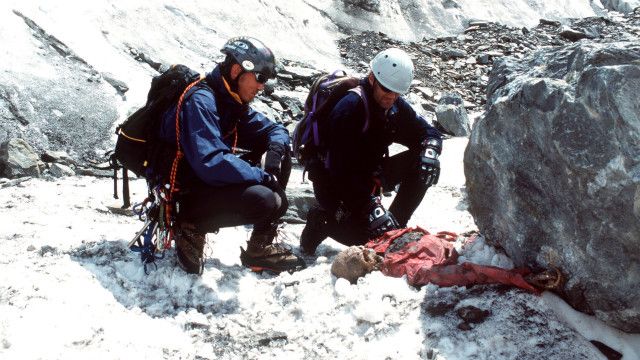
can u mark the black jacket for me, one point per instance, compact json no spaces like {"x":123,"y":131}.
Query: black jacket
{"x":357,"y":147}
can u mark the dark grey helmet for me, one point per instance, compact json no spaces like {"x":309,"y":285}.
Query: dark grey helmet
{"x":252,"y":55}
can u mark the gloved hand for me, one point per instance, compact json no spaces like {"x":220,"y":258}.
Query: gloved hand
{"x":273,"y":159}
{"x":380,"y":220}
{"x":429,"y":165}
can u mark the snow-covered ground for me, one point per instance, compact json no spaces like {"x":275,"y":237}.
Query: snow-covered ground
{"x":70,"y":289}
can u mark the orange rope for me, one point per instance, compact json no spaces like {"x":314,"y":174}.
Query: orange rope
{"x":235,"y":139}
{"x":179,"y":154}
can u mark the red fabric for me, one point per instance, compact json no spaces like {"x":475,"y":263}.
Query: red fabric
{"x":433,"y":259}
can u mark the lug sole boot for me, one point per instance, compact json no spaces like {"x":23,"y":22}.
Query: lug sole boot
{"x":262,"y":254}
{"x":190,"y":249}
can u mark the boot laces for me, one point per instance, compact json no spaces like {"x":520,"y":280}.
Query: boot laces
{"x":278,"y":243}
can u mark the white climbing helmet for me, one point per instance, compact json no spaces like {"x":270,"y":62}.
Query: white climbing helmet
{"x":393,"y":68}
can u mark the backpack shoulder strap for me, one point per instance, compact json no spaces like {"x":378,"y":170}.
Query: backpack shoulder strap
{"x":360,"y":91}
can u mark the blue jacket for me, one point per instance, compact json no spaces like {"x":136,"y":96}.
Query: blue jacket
{"x":208,"y":120}
{"x":356,"y":156}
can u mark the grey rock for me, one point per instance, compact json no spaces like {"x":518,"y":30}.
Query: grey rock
{"x":301,"y":73}
{"x":429,"y":106}
{"x":266,"y":339}
{"x":368,"y":5}
{"x":451,"y":99}
{"x":592,"y":32}
{"x":47,"y":250}
{"x":571,"y":34}
{"x":18,"y":159}
{"x":453,"y":119}
{"x":60,"y":170}
{"x":300,"y":201}
{"x":553,"y":172}
{"x":61,"y":157}
{"x":14,"y":182}
{"x":549,"y":22}
{"x":269,"y":111}
{"x":575,"y":35}
{"x":293,"y":106}
{"x":120,"y":86}
{"x":472,"y":28}
{"x":483,"y":59}
{"x":479,"y":23}
{"x":427,"y":92}
{"x":450,"y":4}
{"x":495,"y":53}
{"x":453,"y":53}
{"x":285,"y":76}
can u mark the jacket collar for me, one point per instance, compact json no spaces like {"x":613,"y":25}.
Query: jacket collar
{"x":223,"y":91}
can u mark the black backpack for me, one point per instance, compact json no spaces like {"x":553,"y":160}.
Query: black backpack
{"x":137,"y":148}
{"x":310,"y":134}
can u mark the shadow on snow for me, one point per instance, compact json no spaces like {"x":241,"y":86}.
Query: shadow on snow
{"x":165,"y":291}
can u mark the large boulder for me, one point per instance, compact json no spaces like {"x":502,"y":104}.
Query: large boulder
{"x":553,"y":172}
{"x":19,"y":159}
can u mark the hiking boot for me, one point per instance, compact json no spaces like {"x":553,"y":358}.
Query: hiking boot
{"x":315,"y":231}
{"x":190,"y":249}
{"x":262,"y":254}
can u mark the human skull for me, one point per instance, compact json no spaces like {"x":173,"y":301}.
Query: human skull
{"x":355,"y":262}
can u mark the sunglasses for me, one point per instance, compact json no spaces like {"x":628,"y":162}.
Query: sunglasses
{"x":383,"y":88}
{"x":261,"y":78}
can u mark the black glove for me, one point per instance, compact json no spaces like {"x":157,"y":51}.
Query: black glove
{"x":380,"y":220}
{"x":273,"y":159}
{"x":429,"y":165}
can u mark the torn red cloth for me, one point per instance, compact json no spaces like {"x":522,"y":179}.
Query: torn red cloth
{"x":427,"y":258}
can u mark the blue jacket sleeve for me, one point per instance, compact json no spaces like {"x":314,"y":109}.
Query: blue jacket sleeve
{"x":412,"y":129}
{"x":257,"y":131}
{"x":204,"y":148}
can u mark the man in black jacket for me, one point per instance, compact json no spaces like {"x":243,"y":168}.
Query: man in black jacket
{"x":357,"y":165}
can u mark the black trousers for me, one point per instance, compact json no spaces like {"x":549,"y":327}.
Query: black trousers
{"x":210,"y":208}
{"x":349,"y":226}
